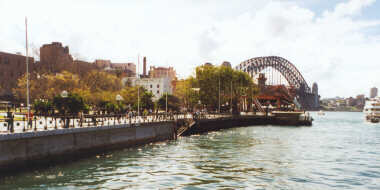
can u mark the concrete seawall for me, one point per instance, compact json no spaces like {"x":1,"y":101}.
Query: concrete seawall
{"x":25,"y":149}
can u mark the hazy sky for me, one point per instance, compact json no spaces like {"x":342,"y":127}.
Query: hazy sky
{"x":335,"y":43}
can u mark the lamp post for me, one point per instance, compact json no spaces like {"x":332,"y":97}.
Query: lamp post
{"x":119,"y":98}
{"x":65,"y":94}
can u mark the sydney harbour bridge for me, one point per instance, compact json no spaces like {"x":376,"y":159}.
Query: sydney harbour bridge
{"x":279,"y":71}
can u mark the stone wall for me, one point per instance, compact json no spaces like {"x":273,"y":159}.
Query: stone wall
{"x":24,"y":149}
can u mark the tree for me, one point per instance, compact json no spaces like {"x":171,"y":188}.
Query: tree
{"x":232,"y":85}
{"x":43,"y":107}
{"x":38,"y":85}
{"x":73,"y":104}
{"x":101,"y":81}
{"x":174,"y":103}
{"x":46,"y":86}
{"x":186,"y":94}
{"x":146,"y":100}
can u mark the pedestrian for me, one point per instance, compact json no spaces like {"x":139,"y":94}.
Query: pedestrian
{"x":10,"y":119}
{"x":81,"y":119}
{"x":30,"y":120}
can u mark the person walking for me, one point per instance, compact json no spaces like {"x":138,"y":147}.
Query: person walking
{"x":10,"y":119}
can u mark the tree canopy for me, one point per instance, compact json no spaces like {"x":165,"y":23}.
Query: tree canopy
{"x":209,"y":82}
{"x":173,"y":103}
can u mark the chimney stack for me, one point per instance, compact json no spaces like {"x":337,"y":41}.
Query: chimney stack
{"x":144,"y":69}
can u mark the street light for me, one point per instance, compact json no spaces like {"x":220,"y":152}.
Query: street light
{"x":64,"y":94}
{"x":119,"y":98}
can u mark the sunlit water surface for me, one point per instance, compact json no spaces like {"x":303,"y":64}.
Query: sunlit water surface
{"x":340,"y":151}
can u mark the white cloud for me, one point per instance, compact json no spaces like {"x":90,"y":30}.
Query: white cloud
{"x":349,"y":8}
{"x":333,"y":49}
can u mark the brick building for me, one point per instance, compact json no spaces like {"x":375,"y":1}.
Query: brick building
{"x":12,"y":67}
{"x":162,"y":72}
{"x":55,"y":58}
{"x":123,"y":69}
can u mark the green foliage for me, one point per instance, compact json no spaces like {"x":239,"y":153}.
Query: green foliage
{"x":145,"y":100}
{"x":231,"y":84}
{"x":97,"y":81}
{"x":174,"y":103}
{"x":73,"y":104}
{"x":43,"y":107}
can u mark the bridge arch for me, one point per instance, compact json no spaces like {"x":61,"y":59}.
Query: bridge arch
{"x":286,"y":68}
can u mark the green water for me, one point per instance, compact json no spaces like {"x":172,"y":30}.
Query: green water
{"x":340,"y":151}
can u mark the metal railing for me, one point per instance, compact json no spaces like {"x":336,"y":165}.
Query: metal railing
{"x":55,"y":122}
{"x":43,"y":122}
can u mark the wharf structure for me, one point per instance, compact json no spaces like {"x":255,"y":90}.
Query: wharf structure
{"x":18,"y":151}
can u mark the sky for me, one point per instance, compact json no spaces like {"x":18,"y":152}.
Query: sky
{"x":335,"y":43}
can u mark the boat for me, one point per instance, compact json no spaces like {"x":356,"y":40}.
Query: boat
{"x":321,"y":112}
{"x":372,"y":110}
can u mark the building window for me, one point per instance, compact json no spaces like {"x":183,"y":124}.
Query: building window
{"x":151,"y":86}
{"x":158,"y":91}
{"x":158,"y":86}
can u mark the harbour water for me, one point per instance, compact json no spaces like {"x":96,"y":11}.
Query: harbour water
{"x":340,"y":151}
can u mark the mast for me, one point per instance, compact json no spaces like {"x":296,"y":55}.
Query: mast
{"x":219,"y":94}
{"x":27,"y":68}
{"x":167,"y":77}
{"x":138,"y":87}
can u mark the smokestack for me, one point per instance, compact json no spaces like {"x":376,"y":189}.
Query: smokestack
{"x":144,"y":69}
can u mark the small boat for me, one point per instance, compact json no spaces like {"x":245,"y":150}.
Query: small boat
{"x":321,"y":112}
{"x":375,"y":120}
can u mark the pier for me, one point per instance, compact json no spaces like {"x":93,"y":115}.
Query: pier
{"x":57,"y":143}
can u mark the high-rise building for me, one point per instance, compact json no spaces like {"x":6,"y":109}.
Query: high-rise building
{"x":373,"y":92}
{"x":360,"y":100}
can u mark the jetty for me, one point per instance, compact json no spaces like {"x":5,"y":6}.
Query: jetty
{"x":52,"y":139}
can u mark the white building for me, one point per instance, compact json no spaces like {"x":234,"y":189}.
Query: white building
{"x":158,"y":86}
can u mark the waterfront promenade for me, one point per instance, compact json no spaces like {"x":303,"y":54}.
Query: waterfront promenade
{"x":50,"y":139}
{"x":43,"y":123}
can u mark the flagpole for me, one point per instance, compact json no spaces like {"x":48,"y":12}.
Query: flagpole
{"x":167,"y":77}
{"x":27,"y":69}
{"x":219,"y":93}
{"x":138,"y":87}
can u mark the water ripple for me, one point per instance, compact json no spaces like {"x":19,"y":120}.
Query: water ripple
{"x":340,"y":151}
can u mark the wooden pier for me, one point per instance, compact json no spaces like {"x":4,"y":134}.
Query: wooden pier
{"x":197,"y":126}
